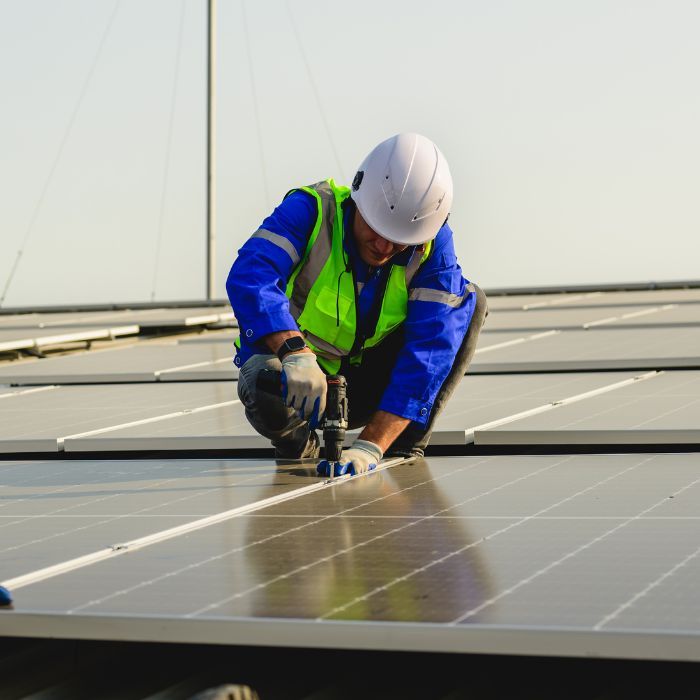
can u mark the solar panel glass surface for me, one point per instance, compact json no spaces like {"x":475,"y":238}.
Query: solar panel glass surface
{"x":587,"y":548}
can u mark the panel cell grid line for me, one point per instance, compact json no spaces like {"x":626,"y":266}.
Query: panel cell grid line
{"x":140,"y":362}
{"x":580,"y":553}
{"x":477,"y":400}
{"x":665,"y":410}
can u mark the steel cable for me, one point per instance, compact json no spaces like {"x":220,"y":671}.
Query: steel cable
{"x":59,"y":153}
{"x":168,"y":148}
{"x":256,"y":110}
{"x":314,"y":89}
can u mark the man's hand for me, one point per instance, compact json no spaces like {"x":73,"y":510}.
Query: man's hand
{"x":363,"y":456}
{"x":304,"y":386}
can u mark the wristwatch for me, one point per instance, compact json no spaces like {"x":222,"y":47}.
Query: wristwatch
{"x":293,"y":344}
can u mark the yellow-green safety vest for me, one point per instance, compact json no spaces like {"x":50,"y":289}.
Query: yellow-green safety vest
{"x":322,"y":291}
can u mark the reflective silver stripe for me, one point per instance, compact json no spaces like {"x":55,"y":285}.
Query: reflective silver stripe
{"x":453,"y":300}
{"x":413,"y":265}
{"x":325,"y":349}
{"x":280,"y":242}
{"x":319,"y":253}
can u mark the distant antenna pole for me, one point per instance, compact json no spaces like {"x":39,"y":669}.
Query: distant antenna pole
{"x":211,"y":151}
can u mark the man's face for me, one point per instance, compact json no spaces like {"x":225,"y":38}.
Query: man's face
{"x":373,"y":249}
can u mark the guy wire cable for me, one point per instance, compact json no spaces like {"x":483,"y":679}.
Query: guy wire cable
{"x":168,"y":148}
{"x":317,"y":97}
{"x":256,"y":111}
{"x":59,"y":153}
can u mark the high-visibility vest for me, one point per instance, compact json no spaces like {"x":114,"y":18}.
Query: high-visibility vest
{"x":322,"y":291}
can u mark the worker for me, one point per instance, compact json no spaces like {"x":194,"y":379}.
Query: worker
{"x":363,"y":282}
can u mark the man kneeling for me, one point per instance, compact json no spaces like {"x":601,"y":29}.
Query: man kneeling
{"x":363,"y":282}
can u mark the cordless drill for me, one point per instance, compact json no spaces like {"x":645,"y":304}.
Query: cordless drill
{"x":334,"y":422}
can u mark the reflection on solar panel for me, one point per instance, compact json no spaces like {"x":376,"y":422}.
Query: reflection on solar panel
{"x":490,"y":550}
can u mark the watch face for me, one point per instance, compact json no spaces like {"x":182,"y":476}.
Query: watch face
{"x":295,"y":343}
{"x":292,"y":344}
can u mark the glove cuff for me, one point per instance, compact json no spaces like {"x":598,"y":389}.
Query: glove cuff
{"x":370,"y":448}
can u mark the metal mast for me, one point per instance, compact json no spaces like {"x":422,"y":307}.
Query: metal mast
{"x":211,"y":151}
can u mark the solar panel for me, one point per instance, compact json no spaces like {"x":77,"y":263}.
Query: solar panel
{"x":664,"y":409}
{"x":34,"y":338}
{"x":26,"y":331}
{"x":610,"y":316}
{"x":40,"y":421}
{"x":651,"y":296}
{"x":476,"y":401}
{"x":560,"y":555}
{"x":223,"y":336}
{"x":176,"y":318}
{"x":677,"y":315}
{"x":516,"y":302}
{"x":598,"y":348}
{"x":140,"y":362}
{"x":594,"y":299}
{"x":567,"y":554}
{"x":53,"y":511}
{"x":182,"y":316}
{"x":209,"y":416}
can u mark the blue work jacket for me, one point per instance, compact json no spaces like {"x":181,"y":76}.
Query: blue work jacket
{"x":433,"y":330}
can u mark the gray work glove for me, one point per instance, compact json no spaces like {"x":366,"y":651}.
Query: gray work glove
{"x":363,"y":456}
{"x":304,"y":386}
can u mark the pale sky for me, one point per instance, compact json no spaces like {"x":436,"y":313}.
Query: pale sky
{"x":571,"y":128}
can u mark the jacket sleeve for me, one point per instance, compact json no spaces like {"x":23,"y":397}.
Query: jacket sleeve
{"x":440,"y":308}
{"x":258,"y":278}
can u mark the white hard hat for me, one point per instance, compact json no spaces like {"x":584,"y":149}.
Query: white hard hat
{"x":403,"y":189}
